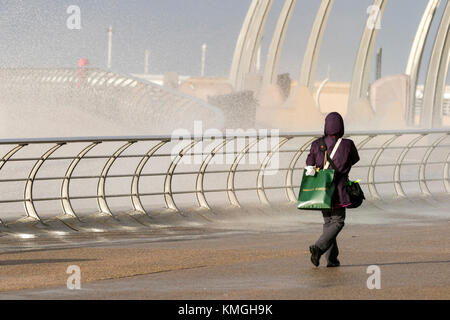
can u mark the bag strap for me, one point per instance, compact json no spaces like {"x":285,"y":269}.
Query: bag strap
{"x":327,"y":161}
{"x":323,"y":148}
{"x":330,"y":160}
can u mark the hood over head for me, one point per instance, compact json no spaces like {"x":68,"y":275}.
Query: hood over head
{"x":334,"y":125}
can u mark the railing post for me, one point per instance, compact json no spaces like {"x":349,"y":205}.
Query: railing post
{"x":168,"y":196}
{"x":28,"y":193}
{"x":371,"y":173}
{"x":101,"y":196}
{"x":422,"y":180}
{"x":135,"y":199}
{"x":200,"y":193}
{"x":289,"y":174}
{"x":398,"y":164}
{"x":232,"y":172}
{"x":390,"y":142}
{"x":65,"y":198}
{"x":260,"y":178}
{"x":446,"y":175}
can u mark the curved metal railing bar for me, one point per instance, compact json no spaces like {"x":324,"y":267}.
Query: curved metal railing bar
{"x":289,"y":174}
{"x":422,"y":181}
{"x":201,"y":199}
{"x":168,"y":193}
{"x":135,"y":199}
{"x":28,"y":192}
{"x":371,"y":173}
{"x":397,"y":181}
{"x":260,"y":178}
{"x":10,"y":153}
{"x":364,"y":142}
{"x":446,"y":174}
{"x":230,"y":180}
{"x":7,"y":156}
{"x":101,"y":194}
{"x":65,"y":197}
{"x":434,"y":151}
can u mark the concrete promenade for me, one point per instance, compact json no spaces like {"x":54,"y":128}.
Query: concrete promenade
{"x":262,"y":256}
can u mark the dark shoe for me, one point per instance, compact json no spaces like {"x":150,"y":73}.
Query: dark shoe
{"x":333,"y":264}
{"x":315,"y":254}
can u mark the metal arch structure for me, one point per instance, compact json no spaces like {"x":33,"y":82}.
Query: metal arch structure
{"x":256,"y":41}
{"x":249,"y":41}
{"x":416,"y":53}
{"x":311,"y":56}
{"x":361,"y":71}
{"x":276,"y":45}
{"x":241,"y":41}
{"x":427,"y":169}
{"x":241,"y":60}
{"x":241,"y":64}
{"x":437,"y":74}
{"x":432,"y":107}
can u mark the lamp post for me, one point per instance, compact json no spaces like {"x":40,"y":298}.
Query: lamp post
{"x":147,"y":56}
{"x":110,"y":32}
{"x":202,"y":72}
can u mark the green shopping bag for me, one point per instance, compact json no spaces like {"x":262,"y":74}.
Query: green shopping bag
{"x":316,"y":191}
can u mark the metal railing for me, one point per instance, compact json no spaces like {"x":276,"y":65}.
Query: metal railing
{"x":208,"y":171}
{"x":126,"y":98}
{"x":445,"y":106}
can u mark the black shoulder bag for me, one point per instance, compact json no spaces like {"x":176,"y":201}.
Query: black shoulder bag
{"x":352,"y":187}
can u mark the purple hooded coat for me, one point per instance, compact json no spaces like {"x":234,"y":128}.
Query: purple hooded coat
{"x":345,"y":157}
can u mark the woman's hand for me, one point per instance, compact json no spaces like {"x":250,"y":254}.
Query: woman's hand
{"x":310,"y":170}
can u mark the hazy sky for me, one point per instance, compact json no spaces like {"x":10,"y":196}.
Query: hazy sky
{"x":34,"y":33}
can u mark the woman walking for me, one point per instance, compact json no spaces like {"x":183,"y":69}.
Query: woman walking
{"x":344,"y":158}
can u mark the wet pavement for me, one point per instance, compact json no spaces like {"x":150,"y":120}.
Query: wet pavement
{"x":411,"y":250}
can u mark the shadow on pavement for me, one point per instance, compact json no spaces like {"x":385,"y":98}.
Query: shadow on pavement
{"x":37,"y":261}
{"x":395,"y":263}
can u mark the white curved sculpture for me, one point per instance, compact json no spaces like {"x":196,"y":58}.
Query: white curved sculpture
{"x":437,"y":74}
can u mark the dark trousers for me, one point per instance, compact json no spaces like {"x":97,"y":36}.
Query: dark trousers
{"x":333,"y":224}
